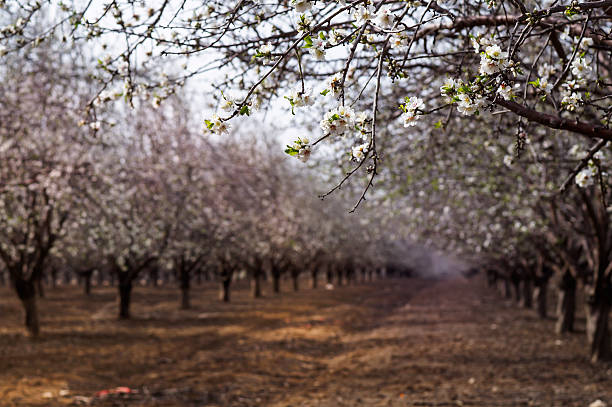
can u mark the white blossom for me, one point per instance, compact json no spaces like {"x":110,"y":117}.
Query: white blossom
{"x":227,"y":104}
{"x":363,"y":14}
{"x":571,"y":101}
{"x":384,"y":19}
{"x":506,"y":91}
{"x":546,"y":70}
{"x":468,"y":105}
{"x":317,"y":49}
{"x":493,"y":60}
{"x":338,"y":121}
{"x":301,"y":99}
{"x":585,"y":43}
{"x":586,"y":177}
{"x":266,"y":48}
{"x":580,"y":68}
{"x":410,"y":115}
{"x":301,"y":5}
{"x":360,"y":151}
{"x":400,"y":41}
{"x":216,"y":126}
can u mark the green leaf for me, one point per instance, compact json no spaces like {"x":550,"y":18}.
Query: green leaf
{"x":438,"y":124}
{"x":325,"y":92}
{"x":209,"y":124}
{"x":291,"y":151}
{"x":308,"y":42}
{"x":321,"y":35}
{"x":245,"y":110}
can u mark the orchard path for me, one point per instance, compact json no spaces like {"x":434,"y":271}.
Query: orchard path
{"x":399,"y":342}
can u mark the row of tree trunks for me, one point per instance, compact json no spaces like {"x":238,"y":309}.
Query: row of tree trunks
{"x":598,"y":306}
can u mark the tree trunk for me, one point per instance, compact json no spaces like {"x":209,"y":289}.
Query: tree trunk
{"x":154,"y":276}
{"x":256,"y":284}
{"x":40,"y":288}
{"x":294,"y":277}
{"x":339,"y":277}
{"x":276,"y":282}
{"x":26,"y":292}
{"x":517,"y":290}
{"x":370,"y":276}
{"x":330,"y":276}
{"x":224,"y":292}
{"x":313,"y":280}
{"x":507,"y":288}
{"x":185,"y":286}
{"x":527,"y":297}
{"x":598,"y":303}
{"x":87,"y":277}
{"x":566,"y":306}
{"x":539,"y":294}
{"x":125,"y":295}
{"x":53,"y":277}
{"x":491,"y":278}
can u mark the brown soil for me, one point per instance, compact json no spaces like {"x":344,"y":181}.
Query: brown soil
{"x":402,"y":342}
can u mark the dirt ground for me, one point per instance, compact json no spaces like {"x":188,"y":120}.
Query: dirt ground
{"x":395,"y":342}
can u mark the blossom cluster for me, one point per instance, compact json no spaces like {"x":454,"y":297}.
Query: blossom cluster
{"x":587,"y":175}
{"x":412,"y":109}
{"x":300,"y":98}
{"x":493,"y":60}
{"x":467,"y":98}
{"x":300,"y":149}
{"x":216,"y":125}
{"x":338,"y":121}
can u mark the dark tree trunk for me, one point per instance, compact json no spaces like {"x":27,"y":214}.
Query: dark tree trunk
{"x":199,"y":277}
{"x":540,"y":294}
{"x":26,"y":291}
{"x":295,"y":277}
{"x":507,"y":288}
{"x":330,"y":276}
{"x":125,"y":295}
{"x":185,"y":283}
{"x":224,"y":292}
{"x":527,"y":297}
{"x":276,"y":282}
{"x":256,"y":284}
{"x":370,"y":276}
{"x":598,"y":304}
{"x":491,"y":278}
{"x":339,"y":277}
{"x":154,"y":276}
{"x":566,"y":305}
{"x":87,"y":276}
{"x":314,"y":278}
{"x":517,"y":290}
{"x":40,"y":288}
